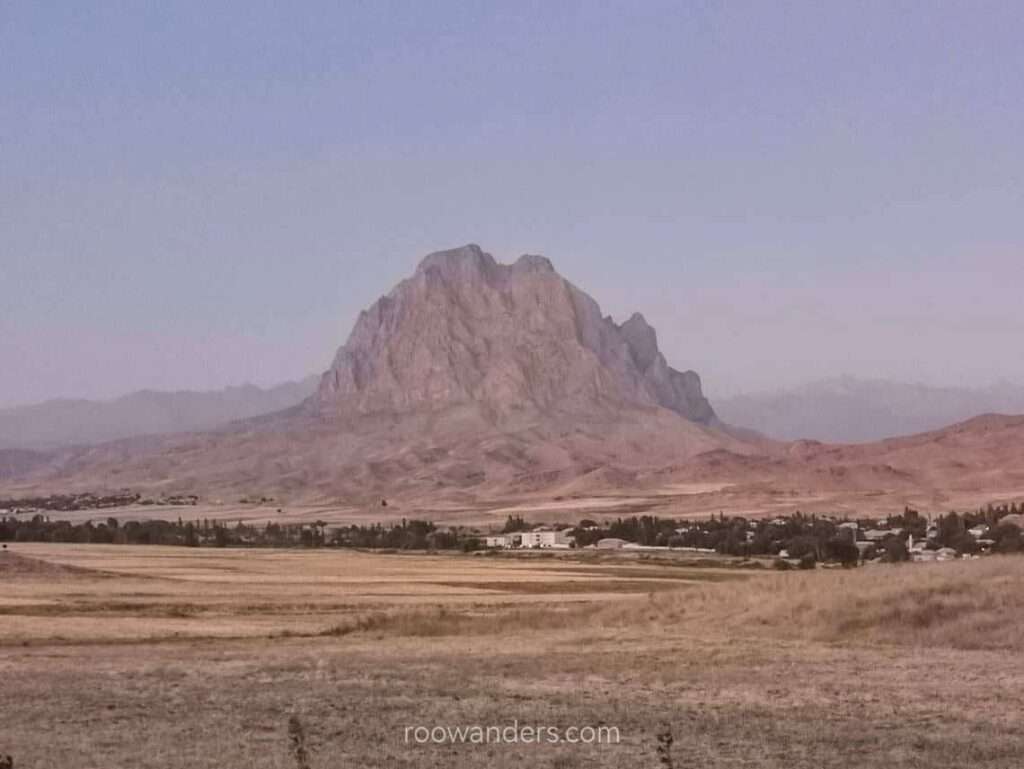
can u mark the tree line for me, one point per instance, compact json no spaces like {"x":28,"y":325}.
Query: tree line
{"x":404,"y":535}
{"x":805,"y":538}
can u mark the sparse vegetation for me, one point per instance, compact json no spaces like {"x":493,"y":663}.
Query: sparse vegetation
{"x":664,"y":749}
{"x":297,"y":743}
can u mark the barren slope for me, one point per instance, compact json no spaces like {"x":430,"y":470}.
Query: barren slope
{"x":967,"y":464}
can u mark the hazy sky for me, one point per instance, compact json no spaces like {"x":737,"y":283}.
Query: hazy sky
{"x":201,"y":194}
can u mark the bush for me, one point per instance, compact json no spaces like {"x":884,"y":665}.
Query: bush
{"x":963,"y":543}
{"x":843,"y":550}
{"x":1008,"y":539}
{"x":803,"y":547}
{"x":895,"y":550}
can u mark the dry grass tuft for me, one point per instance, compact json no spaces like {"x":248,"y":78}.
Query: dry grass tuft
{"x":664,"y":749}
{"x":297,"y":743}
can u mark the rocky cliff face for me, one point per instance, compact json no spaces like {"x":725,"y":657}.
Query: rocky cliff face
{"x":514,"y":342}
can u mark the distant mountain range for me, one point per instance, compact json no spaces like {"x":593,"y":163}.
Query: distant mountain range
{"x":473,"y":381}
{"x":843,"y":409}
{"x":62,"y":423}
{"x":852,"y":410}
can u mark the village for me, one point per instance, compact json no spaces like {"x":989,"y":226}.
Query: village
{"x":798,"y":540}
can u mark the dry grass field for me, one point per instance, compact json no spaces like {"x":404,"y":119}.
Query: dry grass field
{"x":112,"y":593}
{"x":149,"y":657}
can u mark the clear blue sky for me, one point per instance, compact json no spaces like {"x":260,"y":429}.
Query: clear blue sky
{"x":200,"y":194}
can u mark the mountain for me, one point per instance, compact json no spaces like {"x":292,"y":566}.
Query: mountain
{"x":510,"y":342}
{"x":849,"y":409}
{"x":469,"y":377}
{"x":62,"y":423}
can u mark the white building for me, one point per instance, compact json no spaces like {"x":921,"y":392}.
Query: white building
{"x":541,"y":538}
{"x":546,"y":538}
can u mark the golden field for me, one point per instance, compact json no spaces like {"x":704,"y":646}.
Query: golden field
{"x":138,"y":657}
{"x":114,"y":593}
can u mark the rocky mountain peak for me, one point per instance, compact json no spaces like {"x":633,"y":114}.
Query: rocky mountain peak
{"x":463,"y":261}
{"x":509,"y":342}
{"x":533,"y":262}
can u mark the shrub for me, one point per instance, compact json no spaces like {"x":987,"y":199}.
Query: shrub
{"x":297,"y":738}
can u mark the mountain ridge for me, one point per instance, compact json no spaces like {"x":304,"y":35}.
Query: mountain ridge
{"x":63,"y":422}
{"x":849,"y":409}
